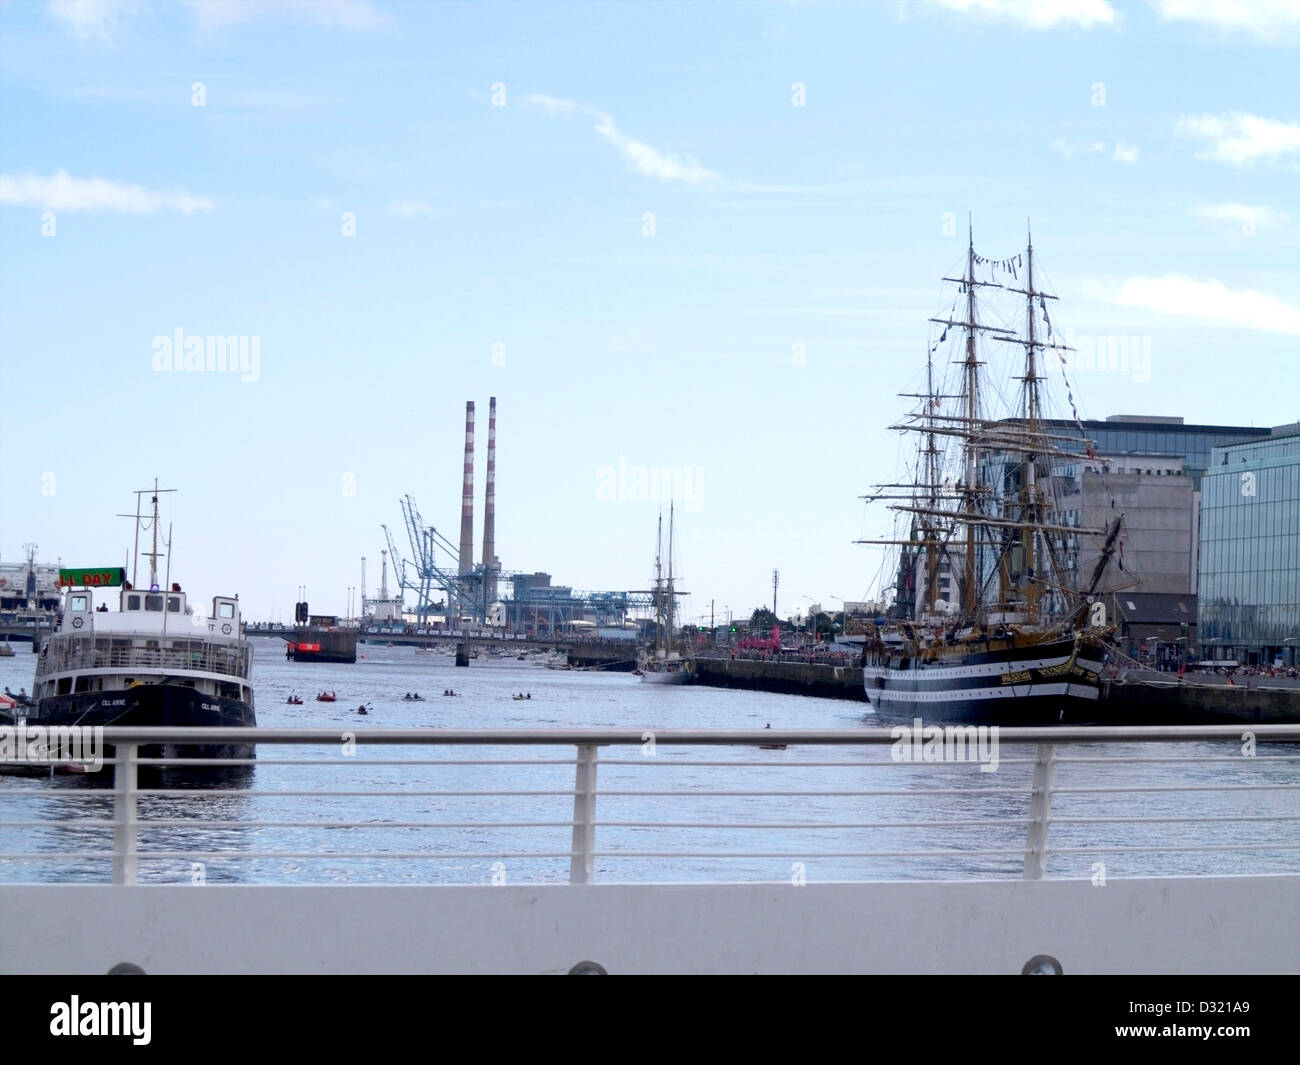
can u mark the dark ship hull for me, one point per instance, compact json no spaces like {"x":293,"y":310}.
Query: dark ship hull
{"x":154,"y":705}
{"x":1057,"y":682}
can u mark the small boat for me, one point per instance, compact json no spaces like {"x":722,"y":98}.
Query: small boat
{"x":5,"y":650}
{"x":326,"y":697}
{"x":294,"y":700}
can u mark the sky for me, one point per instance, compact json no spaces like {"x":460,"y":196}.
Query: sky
{"x":689,"y":244}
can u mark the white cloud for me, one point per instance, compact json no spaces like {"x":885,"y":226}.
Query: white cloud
{"x":408,"y":208}
{"x":1036,"y":14}
{"x":639,"y":156}
{"x":1211,"y":300}
{"x":89,"y":20}
{"x":61,"y":192}
{"x":322,"y":203}
{"x":102,"y":19}
{"x":1264,"y":18}
{"x":1245,"y":215}
{"x":1241,"y":139}
{"x":1125,"y":153}
{"x":343,"y":14}
{"x":1069,"y":150}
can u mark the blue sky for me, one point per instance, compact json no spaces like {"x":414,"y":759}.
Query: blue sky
{"x":698,"y":237}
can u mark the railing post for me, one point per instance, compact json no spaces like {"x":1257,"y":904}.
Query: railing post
{"x":124,"y":811}
{"x":1040,"y":813}
{"x":584,"y":816}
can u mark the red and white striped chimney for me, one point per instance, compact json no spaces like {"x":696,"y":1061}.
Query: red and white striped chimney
{"x":490,"y":508}
{"x":467,"y":496}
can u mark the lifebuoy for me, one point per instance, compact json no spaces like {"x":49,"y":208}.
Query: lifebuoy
{"x":78,"y":622}
{"x":226,"y":628}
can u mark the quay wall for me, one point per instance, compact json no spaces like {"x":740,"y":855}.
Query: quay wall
{"x":1155,"y":699}
{"x":794,"y":678}
{"x":1168,"y":926}
{"x":1142,"y":698}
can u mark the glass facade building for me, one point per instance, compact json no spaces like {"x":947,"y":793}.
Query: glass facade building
{"x":1131,"y":435}
{"x":1249,"y":568}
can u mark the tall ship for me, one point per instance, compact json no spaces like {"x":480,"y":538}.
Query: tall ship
{"x":992,"y":621}
{"x":145,"y":656}
{"x":662,"y":663}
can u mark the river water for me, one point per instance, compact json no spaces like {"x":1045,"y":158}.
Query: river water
{"x":60,"y":811}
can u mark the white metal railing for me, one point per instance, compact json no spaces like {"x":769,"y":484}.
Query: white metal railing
{"x":83,"y":654}
{"x":1025,"y":791}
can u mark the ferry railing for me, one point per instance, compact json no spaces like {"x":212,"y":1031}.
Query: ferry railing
{"x":1269,"y":771}
{"x":206,"y":657}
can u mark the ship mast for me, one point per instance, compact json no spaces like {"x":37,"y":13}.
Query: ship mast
{"x":972,"y":385}
{"x":931,"y":479}
{"x":672,"y":596}
{"x":152,"y":556}
{"x":1033,"y":411}
{"x":1018,"y":528}
{"x":659,"y":585}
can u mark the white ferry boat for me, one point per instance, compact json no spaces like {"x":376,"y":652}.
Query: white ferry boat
{"x":124,"y":655}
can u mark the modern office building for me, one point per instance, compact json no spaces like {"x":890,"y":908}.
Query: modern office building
{"x":1136,"y":434}
{"x":1249,"y":565}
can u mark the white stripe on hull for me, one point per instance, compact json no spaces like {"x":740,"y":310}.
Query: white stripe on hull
{"x":985,"y":669}
{"x":1074,"y":690}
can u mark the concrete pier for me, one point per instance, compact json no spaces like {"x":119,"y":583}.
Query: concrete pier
{"x":793,"y":678}
{"x":1160,"y":699}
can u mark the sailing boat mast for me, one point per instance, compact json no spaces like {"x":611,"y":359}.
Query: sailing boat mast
{"x":659,"y":586}
{"x":931,"y":479}
{"x":1031,"y":512}
{"x":972,"y":392}
{"x":672,"y":597}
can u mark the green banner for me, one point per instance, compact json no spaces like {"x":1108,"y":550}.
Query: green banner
{"x":99,"y":577}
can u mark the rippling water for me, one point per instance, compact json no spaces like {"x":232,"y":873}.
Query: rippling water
{"x":564,"y":699}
